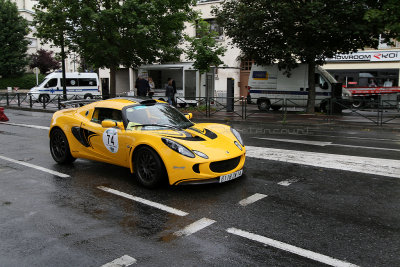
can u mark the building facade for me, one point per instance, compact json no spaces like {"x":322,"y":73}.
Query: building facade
{"x":26,"y":10}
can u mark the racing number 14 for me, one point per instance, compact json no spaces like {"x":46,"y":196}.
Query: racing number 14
{"x":110,"y":139}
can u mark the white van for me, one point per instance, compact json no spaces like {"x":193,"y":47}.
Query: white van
{"x":85,"y":85}
{"x":272,"y":88}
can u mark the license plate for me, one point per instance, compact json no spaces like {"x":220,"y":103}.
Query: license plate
{"x":231,"y":176}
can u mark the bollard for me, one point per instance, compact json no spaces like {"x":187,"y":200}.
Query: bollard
{"x":3,"y":116}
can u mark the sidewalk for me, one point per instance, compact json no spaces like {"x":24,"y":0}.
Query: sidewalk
{"x":345,"y":121}
{"x":361,"y":120}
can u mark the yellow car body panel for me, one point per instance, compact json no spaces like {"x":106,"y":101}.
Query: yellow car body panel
{"x":87,"y":139}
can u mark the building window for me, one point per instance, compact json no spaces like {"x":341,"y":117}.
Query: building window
{"x":32,"y":42}
{"x":246,"y":64}
{"x":213,"y":27}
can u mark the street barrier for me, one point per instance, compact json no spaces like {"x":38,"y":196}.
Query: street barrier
{"x":378,"y":110}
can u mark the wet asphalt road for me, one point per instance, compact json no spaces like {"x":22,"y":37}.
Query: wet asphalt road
{"x":46,"y":220}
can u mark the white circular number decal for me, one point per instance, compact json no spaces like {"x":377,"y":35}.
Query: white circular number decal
{"x":110,"y":140}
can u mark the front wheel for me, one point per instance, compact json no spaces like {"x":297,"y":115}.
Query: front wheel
{"x":59,"y":147}
{"x":149,"y":168}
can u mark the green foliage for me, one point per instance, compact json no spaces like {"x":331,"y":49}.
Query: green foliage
{"x":110,"y":33}
{"x":289,"y":32}
{"x":13,"y":45}
{"x":204,"y":48}
{"x":25,"y":81}
{"x":387,"y":17}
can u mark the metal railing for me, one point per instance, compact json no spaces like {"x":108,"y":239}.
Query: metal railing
{"x":380,"y":110}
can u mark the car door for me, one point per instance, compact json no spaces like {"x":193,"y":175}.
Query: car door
{"x":108,"y":144}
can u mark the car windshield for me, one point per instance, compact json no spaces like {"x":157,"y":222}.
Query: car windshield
{"x":155,"y":117}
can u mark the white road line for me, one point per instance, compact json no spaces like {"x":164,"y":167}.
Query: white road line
{"x":194,"y":227}
{"x":288,"y":182}
{"x":59,"y":174}
{"x":144,"y":201}
{"x":27,"y":125}
{"x":292,"y":249}
{"x":251,"y":199}
{"x":320,"y":143}
{"x":120,"y":262}
{"x":377,"y":166}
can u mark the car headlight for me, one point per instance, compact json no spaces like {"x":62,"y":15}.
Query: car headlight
{"x":200,"y":154}
{"x":237,"y":135}
{"x":178,"y":147}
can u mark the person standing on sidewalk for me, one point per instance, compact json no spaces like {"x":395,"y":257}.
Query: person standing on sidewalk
{"x":169,"y":91}
{"x":142,"y":86}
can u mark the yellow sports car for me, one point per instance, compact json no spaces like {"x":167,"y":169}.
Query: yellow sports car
{"x":150,"y":137}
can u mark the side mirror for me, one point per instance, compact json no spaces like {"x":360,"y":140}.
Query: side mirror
{"x":325,"y":85}
{"x":120,"y":125}
{"x":46,"y":85}
{"x":108,"y":124}
{"x":188,"y":116}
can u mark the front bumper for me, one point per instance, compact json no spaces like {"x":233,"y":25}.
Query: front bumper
{"x":201,"y":173}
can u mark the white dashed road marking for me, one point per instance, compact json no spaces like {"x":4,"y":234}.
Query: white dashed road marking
{"x":377,"y":166}
{"x":27,"y":125}
{"x":59,"y":174}
{"x":144,"y":201}
{"x":288,"y":182}
{"x":194,"y":227}
{"x":251,"y":199}
{"x":292,"y":249}
{"x":120,"y":262}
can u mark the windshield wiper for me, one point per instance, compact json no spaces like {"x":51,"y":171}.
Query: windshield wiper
{"x":158,"y":125}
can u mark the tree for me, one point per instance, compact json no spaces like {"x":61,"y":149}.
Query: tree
{"x":388,"y":17}
{"x":289,"y":32}
{"x":13,"y":45}
{"x":52,"y":25}
{"x":44,"y":61}
{"x":111,"y":33}
{"x":203,"y":48}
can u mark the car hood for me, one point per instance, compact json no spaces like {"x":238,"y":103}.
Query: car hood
{"x":212,"y":139}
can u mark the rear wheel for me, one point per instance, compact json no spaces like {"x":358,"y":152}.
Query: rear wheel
{"x":88,"y":96}
{"x":59,"y":147}
{"x":44,"y":98}
{"x":264,"y":104}
{"x":149,"y":168}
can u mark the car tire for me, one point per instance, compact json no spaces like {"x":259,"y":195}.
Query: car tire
{"x":149,"y":168}
{"x":59,"y":147}
{"x":264,"y":105}
{"x":44,"y":98}
{"x":182,"y":105}
{"x":88,"y":96}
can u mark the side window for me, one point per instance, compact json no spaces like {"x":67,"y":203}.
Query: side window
{"x":70,"y":82}
{"x":87,"y":82}
{"x":52,"y":83}
{"x":101,"y":114}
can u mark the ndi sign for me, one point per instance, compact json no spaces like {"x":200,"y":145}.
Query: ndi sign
{"x":376,"y":56}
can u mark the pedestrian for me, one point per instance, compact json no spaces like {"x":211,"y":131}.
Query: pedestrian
{"x":151,"y":86}
{"x":142,"y":86}
{"x":174,"y":91}
{"x":169,"y":91}
{"x":372,"y":83}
